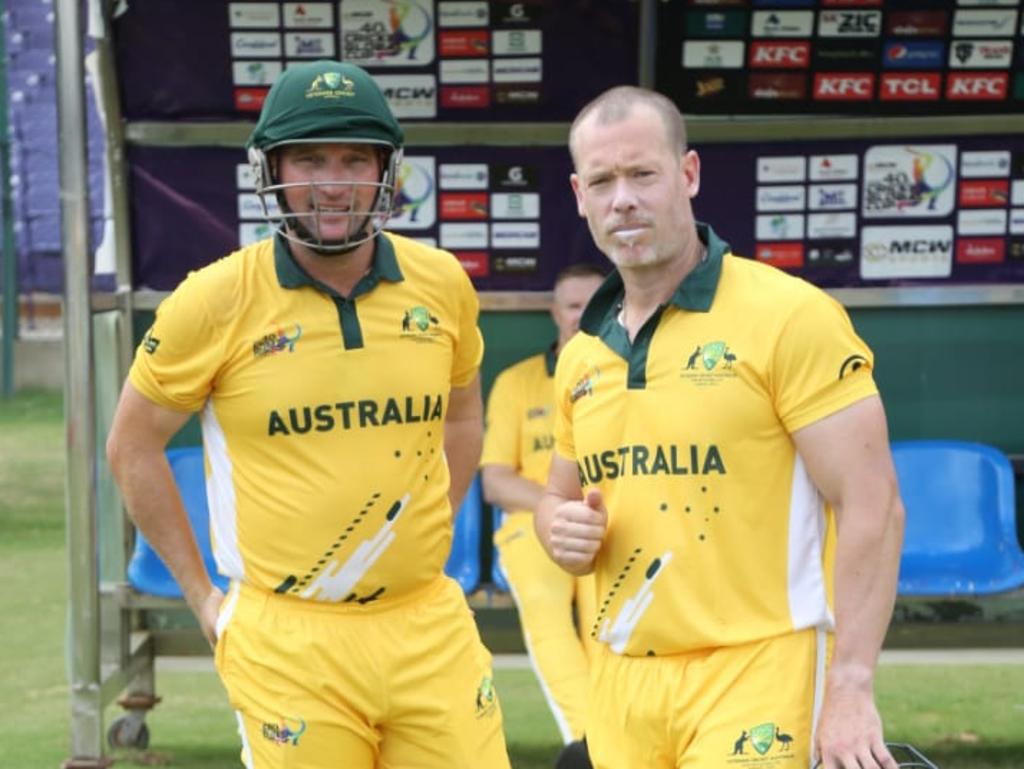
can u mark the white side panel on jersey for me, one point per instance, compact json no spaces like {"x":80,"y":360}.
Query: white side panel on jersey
{"x":808,"y":604}
{"x":220,"y":495}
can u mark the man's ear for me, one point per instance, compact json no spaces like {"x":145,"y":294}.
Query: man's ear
{"x":574,"y":182}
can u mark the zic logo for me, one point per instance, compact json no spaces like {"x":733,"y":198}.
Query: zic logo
{"x":419,"y":320}
{"x":486,"y":698}
{"x":761,"y":738}
{"x":276,"y":341}
{"x":282,"y":733}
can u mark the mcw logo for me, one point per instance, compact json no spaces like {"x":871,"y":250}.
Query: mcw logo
{"x":843,"y":86}
{"x":780,"y":55}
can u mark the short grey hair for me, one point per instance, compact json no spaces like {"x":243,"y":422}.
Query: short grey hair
{"x":617,"y":103}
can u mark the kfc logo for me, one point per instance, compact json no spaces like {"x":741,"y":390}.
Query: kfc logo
{"x":795,"y":55}
{"x":986,"y":86}
{"x":842,"y":86}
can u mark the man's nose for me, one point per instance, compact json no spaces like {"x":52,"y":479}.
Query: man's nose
{"x":623,"y":196}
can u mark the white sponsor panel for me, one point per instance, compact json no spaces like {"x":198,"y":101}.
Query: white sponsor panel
{"x":986,"y":164}
{"x":981,"y":221}
{"x":410,"y":95}
{"x":781,"y":197}
{"x":248,"y":15}
{"x":251,"y":232}
{"x":832,"y":197}
{"x":456,"y":14}
{"x":368,"y":38}
{"x":908,"y":180}
{"x":1017,"y":192}
{"x":831,"y":226}
{"x":713,"y":54}
{"x":416,"y":200}
{"x":782,"y":24}
{"x":987,"y":23}
{"x":515,"y":235}
{"x":515,"y":42}
{"x":309,"y":45}
{"x":249,"y":206}
{"x":850,"y":23}
{"x":780,"y":227}
{"x":526,"y":70}
{"x":980,"y":54}
{"x":461,"y":71}
{"x":906,"y":252}
{"x":833,"y":168}
{"x":255,"y":45}
{"x":464,"y":176}
{"x":1017,"y":221}
{"x":515,"y":205}
{"x":245,"y":177}
{"x":790,"y":168}
{"x":459,"y":235}
{"x":309,"y":15}
{"x":255,"y":72}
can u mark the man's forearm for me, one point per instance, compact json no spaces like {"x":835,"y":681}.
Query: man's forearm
{"x":867,"y":567}
{"x":505,"y":488}
{"x":463,"y":442}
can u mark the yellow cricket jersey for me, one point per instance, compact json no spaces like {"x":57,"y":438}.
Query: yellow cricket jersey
{"x":716,"y":534}
{"x":322,"y":416}
{"x":520,"y":418}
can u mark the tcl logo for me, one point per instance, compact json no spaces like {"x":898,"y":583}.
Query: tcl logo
{"x":780,"y":55}
{"x":842,"y":86}
{"x":910,"y":86}
{"x":981,"y":86}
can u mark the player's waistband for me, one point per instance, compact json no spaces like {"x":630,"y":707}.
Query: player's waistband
{"x":250,"y":593}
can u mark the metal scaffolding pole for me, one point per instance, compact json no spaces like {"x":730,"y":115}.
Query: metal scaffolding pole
{"x":79,"y":402}
{"x":10,"y":320}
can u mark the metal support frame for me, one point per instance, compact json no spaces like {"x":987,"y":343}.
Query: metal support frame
{"x":10,"y":263}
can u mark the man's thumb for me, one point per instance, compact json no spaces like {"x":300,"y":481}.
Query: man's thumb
{"x":595,"y":501}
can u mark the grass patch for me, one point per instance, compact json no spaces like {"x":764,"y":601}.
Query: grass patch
{"x":963,"y":717}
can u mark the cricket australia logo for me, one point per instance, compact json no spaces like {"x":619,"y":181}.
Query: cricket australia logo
{"x":486,"y":698}
{"x":769,"y":743}
{"x":278,"y":340}
{"x":709,"y":364}
{"x":420,"y":323}
{"x":331,"y":85}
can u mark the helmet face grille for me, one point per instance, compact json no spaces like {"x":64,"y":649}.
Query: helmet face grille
{"x":305,"y":227}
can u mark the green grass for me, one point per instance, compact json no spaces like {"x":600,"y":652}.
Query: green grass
{"x":963,"y":717}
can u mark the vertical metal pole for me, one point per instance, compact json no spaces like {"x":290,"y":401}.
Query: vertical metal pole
{"x":79,"y":418}
{"x":647,"y":48}
{"x":10,"y":321}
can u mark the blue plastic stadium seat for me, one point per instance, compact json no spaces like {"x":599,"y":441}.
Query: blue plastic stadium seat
{"x":146,"y":571}
{"x":464,"y":561}
{"x":961,"y":532}
{"x":498,"y":573}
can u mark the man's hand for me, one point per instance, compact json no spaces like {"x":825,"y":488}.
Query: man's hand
{"x":850,"y":730}
{"x":577,"y":531}
{"x":207,"y":608}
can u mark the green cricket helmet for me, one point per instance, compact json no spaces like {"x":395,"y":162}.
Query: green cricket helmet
{"x":321,"y":102}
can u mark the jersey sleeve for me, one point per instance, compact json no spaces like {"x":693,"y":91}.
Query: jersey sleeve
{"x":178,"y":359}
{"x":469,"y":347}
{"x":820,"y":365}
{"x":503,"y":427}
{"x":566,"y":372}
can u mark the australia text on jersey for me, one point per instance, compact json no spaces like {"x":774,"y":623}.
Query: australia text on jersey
{"x":359,"y":413}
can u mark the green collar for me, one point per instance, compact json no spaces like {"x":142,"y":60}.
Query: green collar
{"x":550,"y":359}
{"x":290,"y":273}
{"x":696,"y":291}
